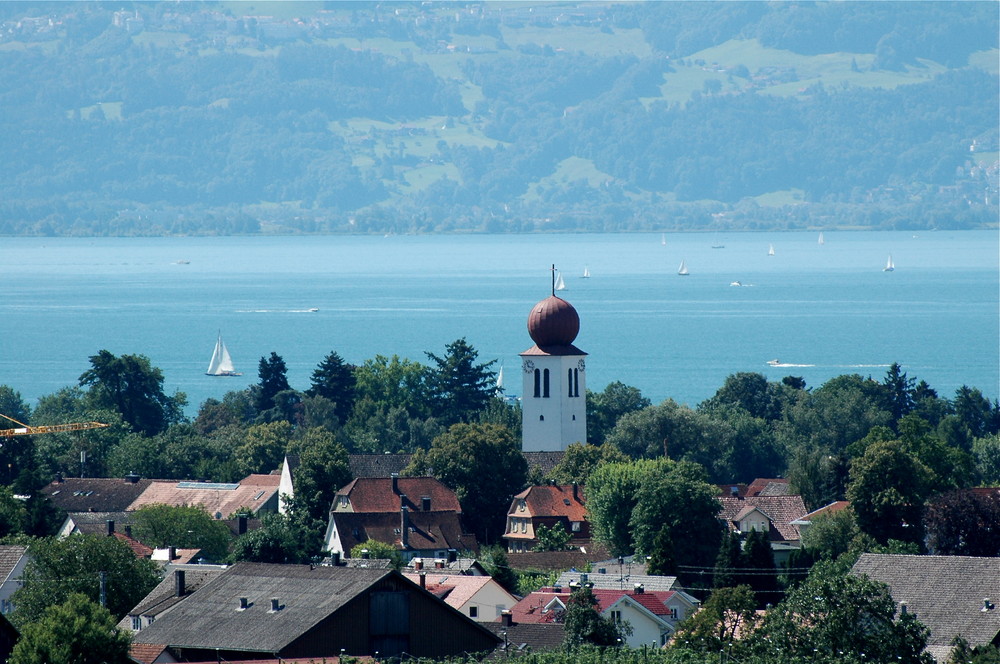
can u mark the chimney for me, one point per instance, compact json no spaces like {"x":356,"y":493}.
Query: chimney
{"x":404,"y":526}
{"x":365,"y":554}
{"x":275,"y":605}
{"x":335,"y":558}
{"x":241,"y":524}
{"x":59,"y":478}
{"x":576,"y":496}
{"x":111,"y":527}
{"x":452,"y":555}
{"x":638,"y":589}
{"x":439,"y":563}
{"x":425,"y":503}
{"x":179,"y":583}
{"x":584,"y":578}
{"x":423,"y":580}
{"x":132,"y":478}
{"x":171,"y":553}
{"x":244,"y":603}
{"x":506,"y":618}
{"x":395,"y":482}
{"x":418,"y":564}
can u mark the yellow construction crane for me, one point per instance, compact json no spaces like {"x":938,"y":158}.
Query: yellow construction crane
{"x":25,"y":430}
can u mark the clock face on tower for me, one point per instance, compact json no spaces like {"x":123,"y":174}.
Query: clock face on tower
{"x":529,"y":366}
{"x":581,"y":365}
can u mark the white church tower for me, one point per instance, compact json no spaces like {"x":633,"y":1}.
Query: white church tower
{"x":554,"y":399}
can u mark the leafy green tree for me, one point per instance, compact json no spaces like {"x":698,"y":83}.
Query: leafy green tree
{"x":887,"y":492}
{"x":273,"y":379}
{"x":729,"y":561}
{"x":749,"y":391}
{"x":830,"y":535}
{"x":280,"y":539}
{"x":263,"y":448}
{"x":395,"y":382}
{"x":13,"y":513}
{"x":323,"y":469}
{"x":834,"y":612}
{"x":77,"y":631}
{"x":494,"y":559}
{"x":986,"y":453}
{"x":662,"y":560}
{"x":484,"y":466}
{"x":728,"y":614}
{"x":963,"y":523}
{"x":130,"y":385}
{"x":460,"y":388}
{"x":59,"y":568}
{"x":554,"y":538}
{"x":186,"y":527}
{"x":236,"y":409}
{"x":585,"y":625}
{"x":899,"y":392}
{"x":379,"y":550}
{"x":611,"y":498}
{"x":840,"y":412}
{"x":606,"y":407}
{"x":758,"y":568}
{"x":334,"y":379}
{"x":818,"y":475}
{"x":581,"y":459}
{"x":962,"y":653}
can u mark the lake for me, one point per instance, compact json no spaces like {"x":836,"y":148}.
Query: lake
{"x":821,"y":310}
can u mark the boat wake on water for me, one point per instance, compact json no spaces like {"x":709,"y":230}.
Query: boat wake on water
{"x":779,"y":363}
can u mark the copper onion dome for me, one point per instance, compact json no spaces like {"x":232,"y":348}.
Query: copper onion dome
{"x":553,"y":322}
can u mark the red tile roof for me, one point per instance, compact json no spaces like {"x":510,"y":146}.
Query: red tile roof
{"x":768,"y":487}
{"x":781,"y":510}
{"x":655,"y":601}
{"x":375,"y":494}
{"x":138,"y":548}
{"x":551,"y":501}
{"x":532,"y":609}
{"x":428,"y":530}
{"x":144,"y":653}
{"x":252,"y":492}
{"x":833,"y":507}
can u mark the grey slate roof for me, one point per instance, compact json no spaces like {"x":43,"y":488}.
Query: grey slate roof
{"x":96,"y":523}
{"x":10,"y":554}
{"x":209,"y":618}
{"x":526,"y":637}
{"x":615,"y":581}
{"x":945,"y":592}
{"x":163,"y":597}
{"x":94,"y":494}
{"x":377,"y":465}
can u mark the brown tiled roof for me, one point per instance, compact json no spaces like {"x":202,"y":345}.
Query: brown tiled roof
{"x":10,"y":555}
{"x":534,"y":608}
{"x":523,"y":637}
{"x":782,"y":510}
{"x":94,"y":494}
{"x":377,"y":465}
{"x":558,"y":560}
{"x":428,"y":530}
{"x":375,"y":494}
{"x":138,"y":548}
{"x":768,"y":487}
{"x":833,"y":507}
{"x":464,"y":566}
{"x":252,"y":492}
{"x":145,"y":653}
{"x":945,"y":592}
{"x":551,"y":501}
{"x":455,"y":590}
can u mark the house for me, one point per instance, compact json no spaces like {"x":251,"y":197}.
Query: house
{"x":13,"y":559}
{"x":180,"y":582}
{"x":479,"y":597}
{"x":652,"y":615}
{"x":378,"y":465}
{"x":518,"y":637}
{"x":95,"y":494}
{"x":419,"y":516}
{"x":547,"y":506}
{"x":804,"y":522}
{"x":613,"y":580}
{"x":254,"y":493}
{"x":258,"y":610}
{"x":774,"y":515}
{"x":451,"y":565}
{"x":951,"y":595}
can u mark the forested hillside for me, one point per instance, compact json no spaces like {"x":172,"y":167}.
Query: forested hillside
{"x":229,"y":117}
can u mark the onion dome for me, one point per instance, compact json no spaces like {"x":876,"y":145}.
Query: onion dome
{"x":553,"y":322}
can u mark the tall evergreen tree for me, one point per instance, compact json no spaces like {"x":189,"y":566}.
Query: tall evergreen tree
{"x":460,"y":388}
{"x":759,"y":571}
{"x":334,"y":379}
{"x":728,"y":562}
{"x":273,"y":377}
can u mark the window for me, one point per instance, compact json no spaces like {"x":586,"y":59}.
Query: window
{"x":136,"y":623}
{"x":545,"y":384}
{"x":575,"y":526}
{"x":473,"y":611}
{"x":616,"y":617}
{"x":524,"y":525}
{"x":538,"y":383}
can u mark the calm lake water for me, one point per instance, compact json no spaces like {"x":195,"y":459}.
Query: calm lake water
{"x":822,"y":309}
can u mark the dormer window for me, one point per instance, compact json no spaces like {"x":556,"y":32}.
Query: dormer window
{"x":521,"y":505}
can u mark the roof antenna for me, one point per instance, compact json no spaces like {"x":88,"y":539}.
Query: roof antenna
{"x":553,"y":279}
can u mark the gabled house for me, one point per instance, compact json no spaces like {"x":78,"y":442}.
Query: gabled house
{"x":615,"y":578}
{"x":652,"y":615}
{"x":803,"y":523}
{"x":179,"y":583}
{"x":773,"y":515}
{"x":519,"y":638}
{"x":95,"y":494}
{"x":257,"y":494}
{"x":419,"y":516}
{"x":951,"y":595}
{"x":13,"y":559}
{"x":478,"y":597}
{"x":254,"y":610}
{"x":546,"y":505}
{"x":452,"y":565}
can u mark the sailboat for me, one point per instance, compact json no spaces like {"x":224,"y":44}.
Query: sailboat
{"x":821,"y":240}
{"x":560,"y":284}
{"x":221,"y":363}
{"x":889,"y":267}
{"x":586,"y":272}
{"x":499,"y":387}
{"x":770,"y":250}
{"x":663,"y":239}
{"x":683,"y":269}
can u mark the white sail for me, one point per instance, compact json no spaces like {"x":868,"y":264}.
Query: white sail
{"x":821,"y":240}
{"x":560,"y":284}
{"x":683,"y":269}
{"x":889,"y":267}
{"x":663,"y":238}
{"x":586,"y":272}
{"x":770,"y":250}
{"x":221,"y":363}
{"x":499,"y":386}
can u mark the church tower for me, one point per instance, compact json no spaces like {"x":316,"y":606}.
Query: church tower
{"x":554,"y":398}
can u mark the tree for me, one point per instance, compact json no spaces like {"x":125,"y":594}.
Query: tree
{"x":727,"y":614}
{"x":494,"y":559}
{"x":131,"y":386}
{"x":263,"y":448}
{"x":758,"y":569}
{"x":77,"y":631}
{"x":334,"y":379}
{"x":606,"y":407}
{"x":829,"y":535}
{"x":395,"y":382}
{"x":728,"y":562}
{"x":323,"y":468}
{"x":963,"y":523}
{"x":834,"y":612}
{"x":887,"y":492}
{"x":460,"y":388}
{"x":585,"y":625}
{"x":554,"y":538}
{"x":899,"y":392}
{"x":484,"y":466}
{"x":749,"y":391}
{"x":59,"y":568}
{"x":378,"y":550}
{"x":273,"y":378}
{"x":185,"y":526}
{"x":13,"y":513}
{"x":661,"y":560}
{"x":611,"y":498}
{"x":281,"y":539}
{"x":581,"y":459}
